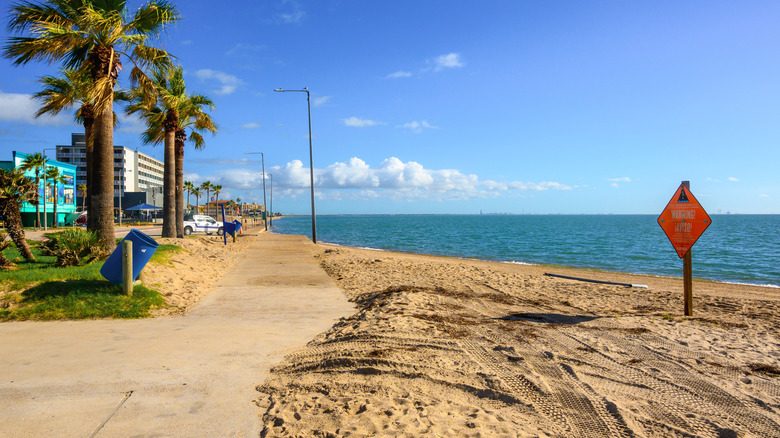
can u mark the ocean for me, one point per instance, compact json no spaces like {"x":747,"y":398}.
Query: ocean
{"x":735,"y":248}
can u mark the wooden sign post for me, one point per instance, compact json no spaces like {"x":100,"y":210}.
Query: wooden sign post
{"x":684,"y":220}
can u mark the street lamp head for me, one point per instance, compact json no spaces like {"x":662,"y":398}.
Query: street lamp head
{"x":278,"y":89}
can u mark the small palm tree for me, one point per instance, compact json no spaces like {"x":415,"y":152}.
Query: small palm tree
{"x":53,"y":174}
{"x":196,"y":192}
{"x":217,"y":188}
{"x":35,"y":162}
{"x":82,"y":188}
{"x":206,"y":185}
{"x":15,"y":188}
{"x":238,"y":204}
{"x":190,"y":187}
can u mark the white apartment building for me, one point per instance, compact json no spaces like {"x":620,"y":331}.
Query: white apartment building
{"x":133,"y":171}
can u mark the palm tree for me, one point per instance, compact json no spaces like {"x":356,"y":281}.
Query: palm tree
{"x":169,"y":111}
{"x":217,"y":188}
{"x":196,"y":192}
{"x":35,"y":162}
{"x":72,"y":89}
{"x":237,"y":204}
{"x":53,"y":174}
{"x":91,"y":36}
{"x":206,"y":185}
{"x":82,"y":188}
{"x":189,"y":186}
{"x":15,"y":188}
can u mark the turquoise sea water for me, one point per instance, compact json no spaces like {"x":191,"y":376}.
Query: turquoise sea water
{"x":735,"y":248}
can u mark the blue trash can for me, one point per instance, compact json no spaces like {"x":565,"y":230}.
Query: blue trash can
{"x":143,"y":249}
{"x":232,"y":227}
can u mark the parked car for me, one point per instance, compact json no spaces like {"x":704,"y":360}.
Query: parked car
{"x":198,"y":223}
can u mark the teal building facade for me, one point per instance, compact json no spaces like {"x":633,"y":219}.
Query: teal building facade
{"x":63,"y":194}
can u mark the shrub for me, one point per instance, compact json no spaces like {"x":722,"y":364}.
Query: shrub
{"x":73,"y":247}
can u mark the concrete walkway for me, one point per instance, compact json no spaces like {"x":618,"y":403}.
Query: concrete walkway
{"x":193,"y":375}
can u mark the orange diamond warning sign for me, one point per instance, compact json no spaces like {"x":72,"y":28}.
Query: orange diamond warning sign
{"x":683,"y":220}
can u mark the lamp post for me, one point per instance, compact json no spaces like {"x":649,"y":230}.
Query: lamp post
{"x":311,"y":162}
{"x":271,"y":178}
{"x":262,"y":161}
{"x":45,"y":220}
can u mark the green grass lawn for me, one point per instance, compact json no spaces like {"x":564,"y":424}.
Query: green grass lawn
{"x":40,"y":291}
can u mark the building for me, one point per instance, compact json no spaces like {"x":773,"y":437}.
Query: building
{"x":63,"y":194}
{"x":137,"y":177}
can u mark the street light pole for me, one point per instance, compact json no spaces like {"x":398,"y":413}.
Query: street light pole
{"x":262,"y":160}
{"x":311,"y":162}
{"x":271,"y":178}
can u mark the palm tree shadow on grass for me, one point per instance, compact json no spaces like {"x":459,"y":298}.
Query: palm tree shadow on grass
{"x":81,"y":288}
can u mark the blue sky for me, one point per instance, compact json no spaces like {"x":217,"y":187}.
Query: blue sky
{"x":461,"y":106}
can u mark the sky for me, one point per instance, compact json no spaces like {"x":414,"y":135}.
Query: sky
{"x":462,"y":107}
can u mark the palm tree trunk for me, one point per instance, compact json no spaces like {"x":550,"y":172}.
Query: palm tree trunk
{"x":103,"y":62}
{"x":88,"y":114}
{"x":180,"y":137}
{"x":13,"y":224}
{"x":169,"y":179}
{"x":101,"y":216}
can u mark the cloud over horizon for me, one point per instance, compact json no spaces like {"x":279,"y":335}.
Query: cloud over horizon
{"x":391,"y":179}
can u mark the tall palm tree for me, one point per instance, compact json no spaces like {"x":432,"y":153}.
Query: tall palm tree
{"x":190,"y":187}
{"x":53,"y":174}
{"x":15,"y":188}
{"x":169,"y":111}
{"x":35,"y":162}
{"x":73,"y":89}
{"x":91,"y":36}
{"x":82,"y":188}
{"x":206,"y":185}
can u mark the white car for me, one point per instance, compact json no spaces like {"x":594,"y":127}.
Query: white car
{"x":202,"y":224}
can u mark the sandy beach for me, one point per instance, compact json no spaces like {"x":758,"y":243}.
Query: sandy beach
{"x":451,"y":347}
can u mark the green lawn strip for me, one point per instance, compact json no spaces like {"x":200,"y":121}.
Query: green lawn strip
{"x":45,"y":292}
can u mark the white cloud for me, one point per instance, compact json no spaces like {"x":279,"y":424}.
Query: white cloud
{"x":321,"y":100}
{"x":450,"y":60}
{"x":251,"y":125}
{"x":732,"y":179}
{"x":22,"y":107}
{"x":399,"y":74}
{"x":392,"y":179}
{"x":361,"y":123}
{"x":622,"y":179}
{"x":417,"y":127}
{"x":227,"y":82}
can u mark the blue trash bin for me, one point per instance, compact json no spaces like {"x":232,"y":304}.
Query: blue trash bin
{"x":143,"y":249}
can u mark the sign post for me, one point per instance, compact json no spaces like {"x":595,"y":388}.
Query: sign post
{"x":684,"y":220}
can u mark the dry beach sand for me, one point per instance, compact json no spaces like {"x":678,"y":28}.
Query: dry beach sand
{"x":463,"y":348}
{"x":451,"y":347}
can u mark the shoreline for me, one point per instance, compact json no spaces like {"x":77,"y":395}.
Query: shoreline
{"x":599,"y":272}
